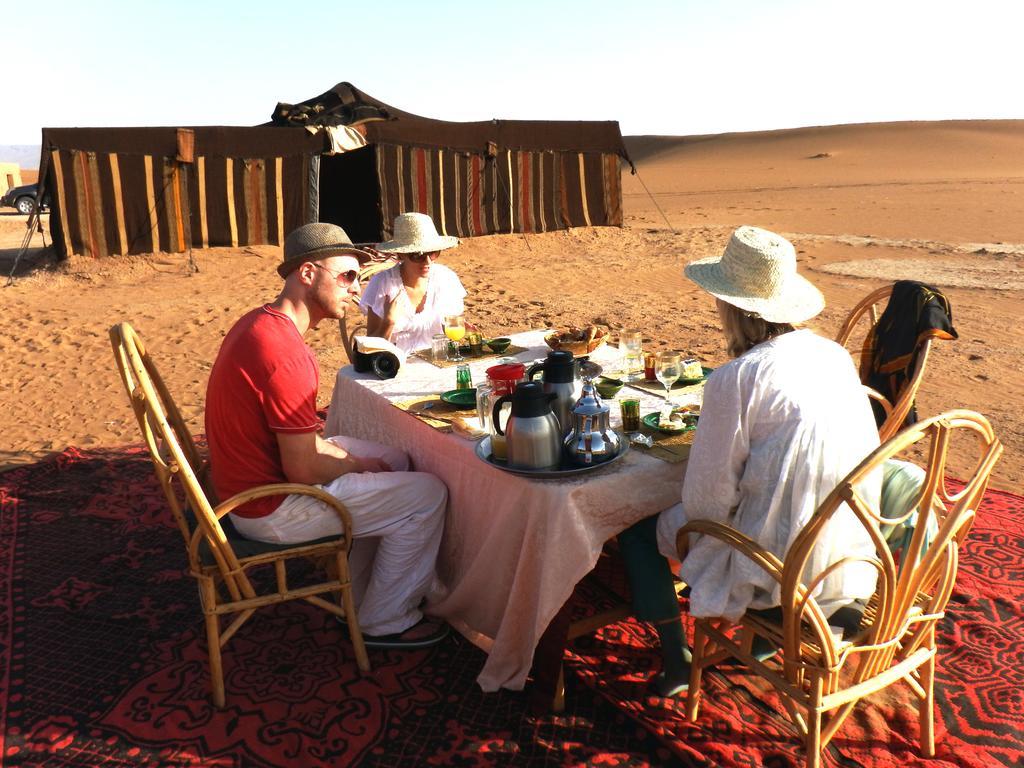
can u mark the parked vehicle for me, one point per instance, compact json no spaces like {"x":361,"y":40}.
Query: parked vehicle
{"x":24,"y":198}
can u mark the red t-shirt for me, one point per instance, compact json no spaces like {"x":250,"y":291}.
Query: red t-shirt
{"x":264,"y":381}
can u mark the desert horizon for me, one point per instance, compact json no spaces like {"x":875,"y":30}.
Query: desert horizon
{"x":864,"y":204}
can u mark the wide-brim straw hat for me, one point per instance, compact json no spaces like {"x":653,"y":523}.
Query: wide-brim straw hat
{"x":757,"y":273}
{"x":317,"y":241}
{"x":416,"y":233}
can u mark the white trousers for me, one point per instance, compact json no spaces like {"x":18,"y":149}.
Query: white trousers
{"x":397,"y":520}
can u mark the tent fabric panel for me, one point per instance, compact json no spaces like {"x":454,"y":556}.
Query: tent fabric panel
{"x":59,"y":216}
{"x":138,"y":229}
{"x":132,"y":199}
{"x":612,"y":190}
{"x":215,"y":181}
{"x":210,"y":141}
{"x":294,"y":203}
{"x":236,"y":201}
{"x":196,"y":186}
{"x":450,"y":193}
{"x":535,"y":135}
{"x":161,"y":205}
{"x":471,"y":194}
{"x":117,"y":194}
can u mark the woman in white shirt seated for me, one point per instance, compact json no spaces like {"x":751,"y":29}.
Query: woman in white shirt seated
{"x":407,"y":304}
{"x":780,"y":426}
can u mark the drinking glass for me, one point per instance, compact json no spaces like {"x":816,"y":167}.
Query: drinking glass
{"x":485,"y":398}
{"x":629,"y":407}
{"x":439,"y":347}
{"x":668,"y":367}
{"x":455,"y":329}
{"x":631,"y":347}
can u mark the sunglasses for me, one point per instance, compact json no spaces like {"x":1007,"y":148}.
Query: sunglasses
{"x":342,"y":278}
{"x":419,"y":258}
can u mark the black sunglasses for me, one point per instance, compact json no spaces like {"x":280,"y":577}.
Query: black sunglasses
{"x":342,"y":278}
{"x":419,"y":258}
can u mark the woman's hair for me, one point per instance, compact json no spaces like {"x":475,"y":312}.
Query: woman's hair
{"x":744,"y":330}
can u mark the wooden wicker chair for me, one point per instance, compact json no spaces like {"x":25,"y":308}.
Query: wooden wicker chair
{"x":862,"y":320}
{"x":219,"y":558}
{"x":819,"y":676}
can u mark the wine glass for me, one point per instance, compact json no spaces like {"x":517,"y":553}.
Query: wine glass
{"x":455,"y":329}
{"x":668,"y":367}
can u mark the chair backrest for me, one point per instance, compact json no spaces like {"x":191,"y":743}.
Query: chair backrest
{"x":348,"y":334}
{"x":856,"y":333}
{"x":179,"y":467}
{"x":913,"y":589}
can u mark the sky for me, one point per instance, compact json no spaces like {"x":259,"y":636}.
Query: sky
{"x":686,"y":67}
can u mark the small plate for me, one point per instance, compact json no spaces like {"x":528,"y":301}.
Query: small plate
{"x":463,"y":399}
{"x":652,"y":420}
{"x":688,"y":382}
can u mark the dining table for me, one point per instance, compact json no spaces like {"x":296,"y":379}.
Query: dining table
{"x":514,"y":546}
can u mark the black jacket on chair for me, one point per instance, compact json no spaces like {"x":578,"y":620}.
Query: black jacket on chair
{"x":915,"y":312}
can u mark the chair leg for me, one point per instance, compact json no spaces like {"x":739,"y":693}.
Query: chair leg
{"x":927,"y":713}
{"x":212,"y":621}
{"x":355,"y":633}
{"x":813,"y":743}
{"x":696,"y":670}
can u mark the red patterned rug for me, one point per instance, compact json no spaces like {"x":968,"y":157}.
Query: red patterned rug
{"x":103,"y":660}
{"x":979,"y":680}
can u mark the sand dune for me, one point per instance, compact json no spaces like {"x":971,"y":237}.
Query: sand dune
{"x":864,"y":204}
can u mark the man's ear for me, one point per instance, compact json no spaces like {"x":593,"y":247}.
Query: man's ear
{"x":306,"y":272}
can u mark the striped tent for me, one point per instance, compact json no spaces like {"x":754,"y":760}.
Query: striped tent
{"x":474,"y":178}
{"x":141,"y":190}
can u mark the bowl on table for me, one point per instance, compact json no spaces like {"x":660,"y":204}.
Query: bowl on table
{"x":579,"y":341}
{"x":608,"y":387}
{"x":498,"y":345}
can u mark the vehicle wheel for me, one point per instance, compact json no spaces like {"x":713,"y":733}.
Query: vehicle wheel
{"x":25,"y":205}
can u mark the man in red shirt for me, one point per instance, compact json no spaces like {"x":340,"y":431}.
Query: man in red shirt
{"x":261,"y":424}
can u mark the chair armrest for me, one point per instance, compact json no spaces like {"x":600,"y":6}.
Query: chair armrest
{"x":274,"y":489}
{"x":773,"y":566}
{"x":741,"y":542}
{"x":284,"y":489}
{"x":874,"y":394}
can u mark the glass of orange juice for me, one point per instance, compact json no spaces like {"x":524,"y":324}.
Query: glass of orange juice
{"x":455,"y":329}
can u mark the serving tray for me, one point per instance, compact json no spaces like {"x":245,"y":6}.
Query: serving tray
{"x":484,"y":453}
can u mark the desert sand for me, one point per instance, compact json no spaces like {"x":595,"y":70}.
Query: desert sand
{"x":864,"y":205}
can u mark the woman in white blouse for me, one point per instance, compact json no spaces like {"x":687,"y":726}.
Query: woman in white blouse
{"x":407,"y":303}
{"x":780,"y":426}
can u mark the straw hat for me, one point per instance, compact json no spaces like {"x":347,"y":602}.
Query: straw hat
{"x":416,"y":233}
{"x":316,"y":241}
{"x":757,"y":273}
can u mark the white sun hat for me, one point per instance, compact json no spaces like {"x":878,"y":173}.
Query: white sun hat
{"x":416,"y":233}
{"x":757,"y":273}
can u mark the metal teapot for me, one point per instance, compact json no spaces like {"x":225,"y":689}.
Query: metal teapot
{"x":592,"y":440}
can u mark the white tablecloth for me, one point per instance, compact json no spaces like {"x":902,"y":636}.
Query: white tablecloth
{"x":514,"y":547}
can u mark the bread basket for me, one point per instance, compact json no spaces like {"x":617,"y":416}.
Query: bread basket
{"x":583,"y":345}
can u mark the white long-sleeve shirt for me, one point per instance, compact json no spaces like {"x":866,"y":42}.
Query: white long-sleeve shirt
{"x":780,"y":427}
{"x":414,"y":331}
